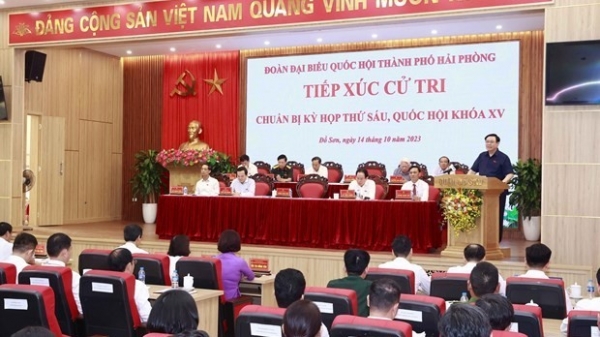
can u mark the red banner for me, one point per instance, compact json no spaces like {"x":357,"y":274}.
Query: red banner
{"x":204,"y":16}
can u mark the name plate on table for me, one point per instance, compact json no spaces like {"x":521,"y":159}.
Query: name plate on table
{"x":284,"y":193}
{"x":231,"y":176}
{"x":226,"y":191}
{"x":260,"y":266}
{"x":176,"y":190}
{"x":403,"y":195}
{"x":397,"y":180}
{"x":347,"y":194}
{"x":349,"y":177}
{"x":40,"y":250}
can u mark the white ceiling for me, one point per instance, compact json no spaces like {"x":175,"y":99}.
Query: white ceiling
{"x":419,"y":28}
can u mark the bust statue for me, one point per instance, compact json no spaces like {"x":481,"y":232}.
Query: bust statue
{"x":194,"y":129}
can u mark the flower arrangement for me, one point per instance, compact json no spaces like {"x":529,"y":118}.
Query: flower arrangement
{"x":217,"y":161}
{"x":462,"y":208}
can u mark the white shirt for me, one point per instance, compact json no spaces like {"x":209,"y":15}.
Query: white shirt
{"x":365,"y":191}
{"x":422,"y":280}
{"x":75,"y":280}
{"x":252,"y":169}
{"x":5,"y":249}
{"x":322,"y":171}
{"x":422,"y":188}
{"x":323,"y":332}
{"x":531,"y":273}
{"x":133,"y":248}
{"x":207,"y":188}
{"x":19,"y":263}
{"x":468,"y":267}
{"x":141,"y":297}
{"x":414,"y":334}
{"x":173,"y":263}
{"x":245,"y":189}
{"x":588,"y":304}
{"x":439,"y":172}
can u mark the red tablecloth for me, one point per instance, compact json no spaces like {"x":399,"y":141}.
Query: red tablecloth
{"x":336,"y":187}
{"x":315,"y":223}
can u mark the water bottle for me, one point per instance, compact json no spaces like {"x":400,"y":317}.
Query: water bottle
{"x":464,"y":298}
{"x":175,"y":280}
{"x":185,"y":190}
{"x":142,"y":275}
{"x":590,"y":288}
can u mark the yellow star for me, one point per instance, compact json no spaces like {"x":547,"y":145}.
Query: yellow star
{"x":215,"y":83}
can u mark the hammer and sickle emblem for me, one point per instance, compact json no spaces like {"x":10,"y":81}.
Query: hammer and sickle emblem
{"x":188,"y":89}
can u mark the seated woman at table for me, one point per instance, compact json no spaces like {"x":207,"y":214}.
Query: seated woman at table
{"x":173,"y":312}
{"x":233,"y":267}
{"x":178,"y":248}
{"x":363,"y":188}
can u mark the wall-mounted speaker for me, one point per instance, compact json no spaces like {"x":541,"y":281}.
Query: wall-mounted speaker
{"x":34,"y":65}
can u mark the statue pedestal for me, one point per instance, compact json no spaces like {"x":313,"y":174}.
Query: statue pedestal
{"x":186,"y":176}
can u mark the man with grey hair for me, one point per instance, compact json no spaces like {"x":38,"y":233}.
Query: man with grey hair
{"x":403,"y":169}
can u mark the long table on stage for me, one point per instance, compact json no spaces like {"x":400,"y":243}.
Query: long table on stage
{"x":297,"y":222}
{"x":334,"y":188}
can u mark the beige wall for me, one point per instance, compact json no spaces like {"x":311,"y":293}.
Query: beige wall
{"x":571,"y":152}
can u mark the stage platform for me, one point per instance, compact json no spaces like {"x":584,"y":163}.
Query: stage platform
{"x":318,"y":265}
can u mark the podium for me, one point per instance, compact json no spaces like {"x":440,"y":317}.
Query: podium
{"x":186,"y":176}
{"x":486,"y":231}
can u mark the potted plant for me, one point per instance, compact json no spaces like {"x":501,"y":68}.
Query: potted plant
{"x":147,"y":182}
{"x":527,"y":196}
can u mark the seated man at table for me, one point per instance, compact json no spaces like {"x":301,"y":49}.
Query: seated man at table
{"x":363,"y":188}
{"x":462,"y":320}
{"x":245,"y":162}
{"x":356,"y":262}
{"x":207,"y":186}
{"x":242,"y":185}
{"x":444,"y":167}
{"x":282,"y":171}
{"x":402,"y":248}
{"x":403,"y":169}
{"x":419,"y":189}
{"x":475,"y":253}
{"x":483,"y":280}
{"x":132,"y":234}
{"x":121,"y":260}
{"x":591,"y":304}
{"x":23,"y":252}
{"x":317,"y":168}
{"x":498,"y":309}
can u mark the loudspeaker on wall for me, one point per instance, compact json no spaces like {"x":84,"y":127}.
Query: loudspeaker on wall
{"x":34,"y":65}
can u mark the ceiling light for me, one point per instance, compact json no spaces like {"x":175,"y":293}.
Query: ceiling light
{"x":374,"y":36}
{"x":434,"y":32}
{"x":499,"y":27}
{"x":172,"y":49}
{"x":267,"y":43}
{"x":218,"y":46}
{"x":129,"y":52}
{"x":319,"y":40}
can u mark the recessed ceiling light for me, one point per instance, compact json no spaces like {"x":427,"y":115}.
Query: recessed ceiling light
{"x":499,"y":27}
{"x":218,"y":46}
{"x":172,"y":49}
{"x":267,"y":43}
{"x":434,"y":32}
{"x":129,"y":52}
{"x":319,"y":40}
{"x":374,"y":36}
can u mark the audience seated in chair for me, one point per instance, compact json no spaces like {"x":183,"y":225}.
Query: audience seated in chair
{"x":537,"y":257}
{"x":173,"y":312}
{"x":317,"y":168}
{"x":363,"y":188}
{"x":483,"y":280}
{"x":419,"y":189}
{"x":121,"y":260}
{"x":289,"y":288}
{"x":444,"y":167}
{"x":423,"y":173}
{"x":5,"y":245}
{"x":475,"y":253}
{"x":23,"y":252}
{"x":251,"y":168}
{"x":402,"y":248}
{"x":132,"y":234}
{"x":356,"y":262}
{"x":242,"y":185}
{"x":207,"y":186}
{"x":402,"y":169}
{"x":33,"y":331}
{"x":302,"y":318}
{"x":59,"y":252}
{"x":233,"y":266}
{"x":282,"y":171}
{"x":589,"y":304}
{"x":384,"y":299}
{"x":462,"y":320}
{"x":178,"y":247}
{"x":498,"y":309}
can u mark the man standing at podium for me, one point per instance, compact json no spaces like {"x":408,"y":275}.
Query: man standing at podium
{"x":494,"y":163}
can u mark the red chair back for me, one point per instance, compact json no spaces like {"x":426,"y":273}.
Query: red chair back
{"x":8,"y":273}
{"x":26,"y":305}
{"x":345,"y":325}
{"x":405,"y":278}
{"x":502,"y":333}
{"x":449,"y":286}
{"x":264,"y":184}
{"x":312,"y":186}
{"x":93,"y":259}
{"x":60,"y":279}
{"x":434,"y":194}
{"x":335,"y":172}
{"x":156,"y":268}
{"x":332,"y":302}
{"x":252,"y":315}
{"x":297,"y":169}
{"x":431,"y":309}
{"x":581,"y":323}
{"x":382,"y":186}
{"x":205,"y":270}
{"x":374,"y":168}
{"x":262,"y":167}
{"x":529,"y":319}
{"x":549,"y":294}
